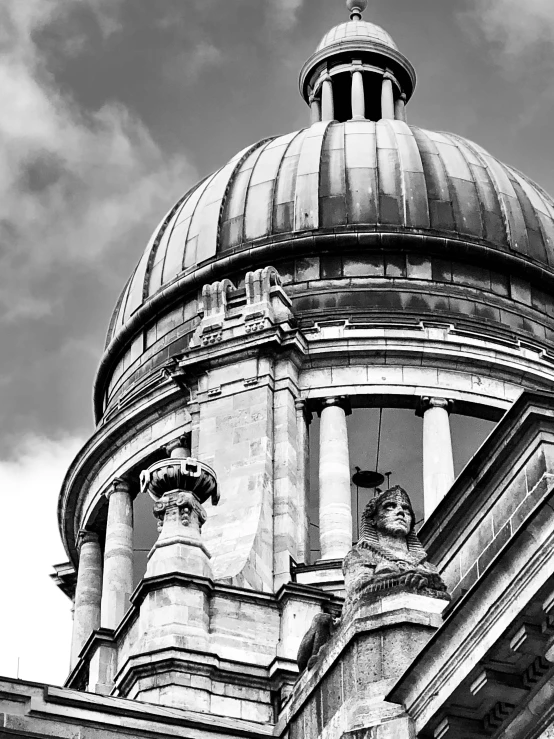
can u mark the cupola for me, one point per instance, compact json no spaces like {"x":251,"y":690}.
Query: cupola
{"x":357,"y":73}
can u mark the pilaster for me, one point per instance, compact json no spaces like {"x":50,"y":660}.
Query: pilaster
{"x":245,"y":356}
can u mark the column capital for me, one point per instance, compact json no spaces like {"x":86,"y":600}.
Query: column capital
{"x":428,"y":402}
{"x":340,"y":401}
{"x":301,"y":405}
{"x":86,"y":537}
{"x":118,"y":485}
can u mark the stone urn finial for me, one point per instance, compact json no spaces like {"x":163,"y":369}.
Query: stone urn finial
{"x":179,"y":485}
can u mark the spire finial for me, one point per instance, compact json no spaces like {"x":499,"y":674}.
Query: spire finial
{"x":356,"y":8}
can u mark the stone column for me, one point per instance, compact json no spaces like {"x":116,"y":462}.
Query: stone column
{"x":358,"y":96}
{"x":303,"y":461}
{"x":118,"y":555}
{"x":335,"y":504}
{"x":86,"y":613}
{"x":327,"y":101}
{"x":315,"y":108}
{"x":387,"y":98}
{"x":400,"y":108}
{"x":438,"y":462}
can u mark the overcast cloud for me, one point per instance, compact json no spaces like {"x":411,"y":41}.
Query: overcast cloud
{"x":283,"y":15}
{"x":516,"y":29}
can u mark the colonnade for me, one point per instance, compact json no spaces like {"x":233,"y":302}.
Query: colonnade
{"x":335,"y":507}
{"x":322,"y":103}
{"x":104,"y":584}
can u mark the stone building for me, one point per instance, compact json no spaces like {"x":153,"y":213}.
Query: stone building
{"x":360,"y":263}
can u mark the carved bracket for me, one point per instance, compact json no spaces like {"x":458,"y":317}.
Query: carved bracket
{"x":265,"y":298}
{"x":267,"y":304}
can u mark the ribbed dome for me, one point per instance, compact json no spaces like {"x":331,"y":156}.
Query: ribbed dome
{"x":356,"y":30}
{"x":336,"y":178}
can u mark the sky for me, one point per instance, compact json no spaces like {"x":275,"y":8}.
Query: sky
{"x":112,"y":109}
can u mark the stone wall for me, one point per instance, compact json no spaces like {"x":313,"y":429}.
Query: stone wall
{"x":236,"y":438}
{"x":345,"y":691}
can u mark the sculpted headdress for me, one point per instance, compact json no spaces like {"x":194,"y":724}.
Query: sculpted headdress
{"x":368,"y":532}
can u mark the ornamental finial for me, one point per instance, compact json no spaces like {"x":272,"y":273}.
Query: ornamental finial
{"x":356,"y":8}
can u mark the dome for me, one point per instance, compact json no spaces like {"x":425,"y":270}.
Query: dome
{"x":356,"y":30}
{"x":356,"y":180}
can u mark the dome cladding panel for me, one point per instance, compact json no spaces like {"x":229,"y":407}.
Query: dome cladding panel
{"x":355,"y":30}
{"x":383,"y":177}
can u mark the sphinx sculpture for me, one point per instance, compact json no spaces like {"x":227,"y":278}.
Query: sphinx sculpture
{"x":389,"y":553}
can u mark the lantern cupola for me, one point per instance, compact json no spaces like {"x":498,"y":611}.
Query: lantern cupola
{"x":357,"y":73}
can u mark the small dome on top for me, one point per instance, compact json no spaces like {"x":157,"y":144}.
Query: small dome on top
{"x":355,"y":30}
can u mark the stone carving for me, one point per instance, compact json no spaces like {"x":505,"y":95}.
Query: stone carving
{"x":179,"y":485}
{"x":227,"y":313}
{"x":265,"y":299}
{"x":214,"y":298}
{"x":180,"y":474}
{"x":182,"y":506}
{"x":389,"y":553}
{"x":315,"y":639}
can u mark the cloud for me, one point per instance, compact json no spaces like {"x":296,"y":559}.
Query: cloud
{"x":189,"y":65}
{"x":29,"y":546}
{"x":73,"y":183}
{"x":283,"y":14}
{"x":514,"y":31}
{"x":203,"y":55}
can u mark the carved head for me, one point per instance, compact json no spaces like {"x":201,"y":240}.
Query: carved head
{"x":390,"y":512}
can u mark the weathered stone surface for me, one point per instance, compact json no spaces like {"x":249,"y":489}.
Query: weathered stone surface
{"x":236,"y":438}
{"x":314,"y":640}
{"x":88,"y":594}
{"x":118,"y":555}
{"x":389,"y":553}
{"x":345,"y":689}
